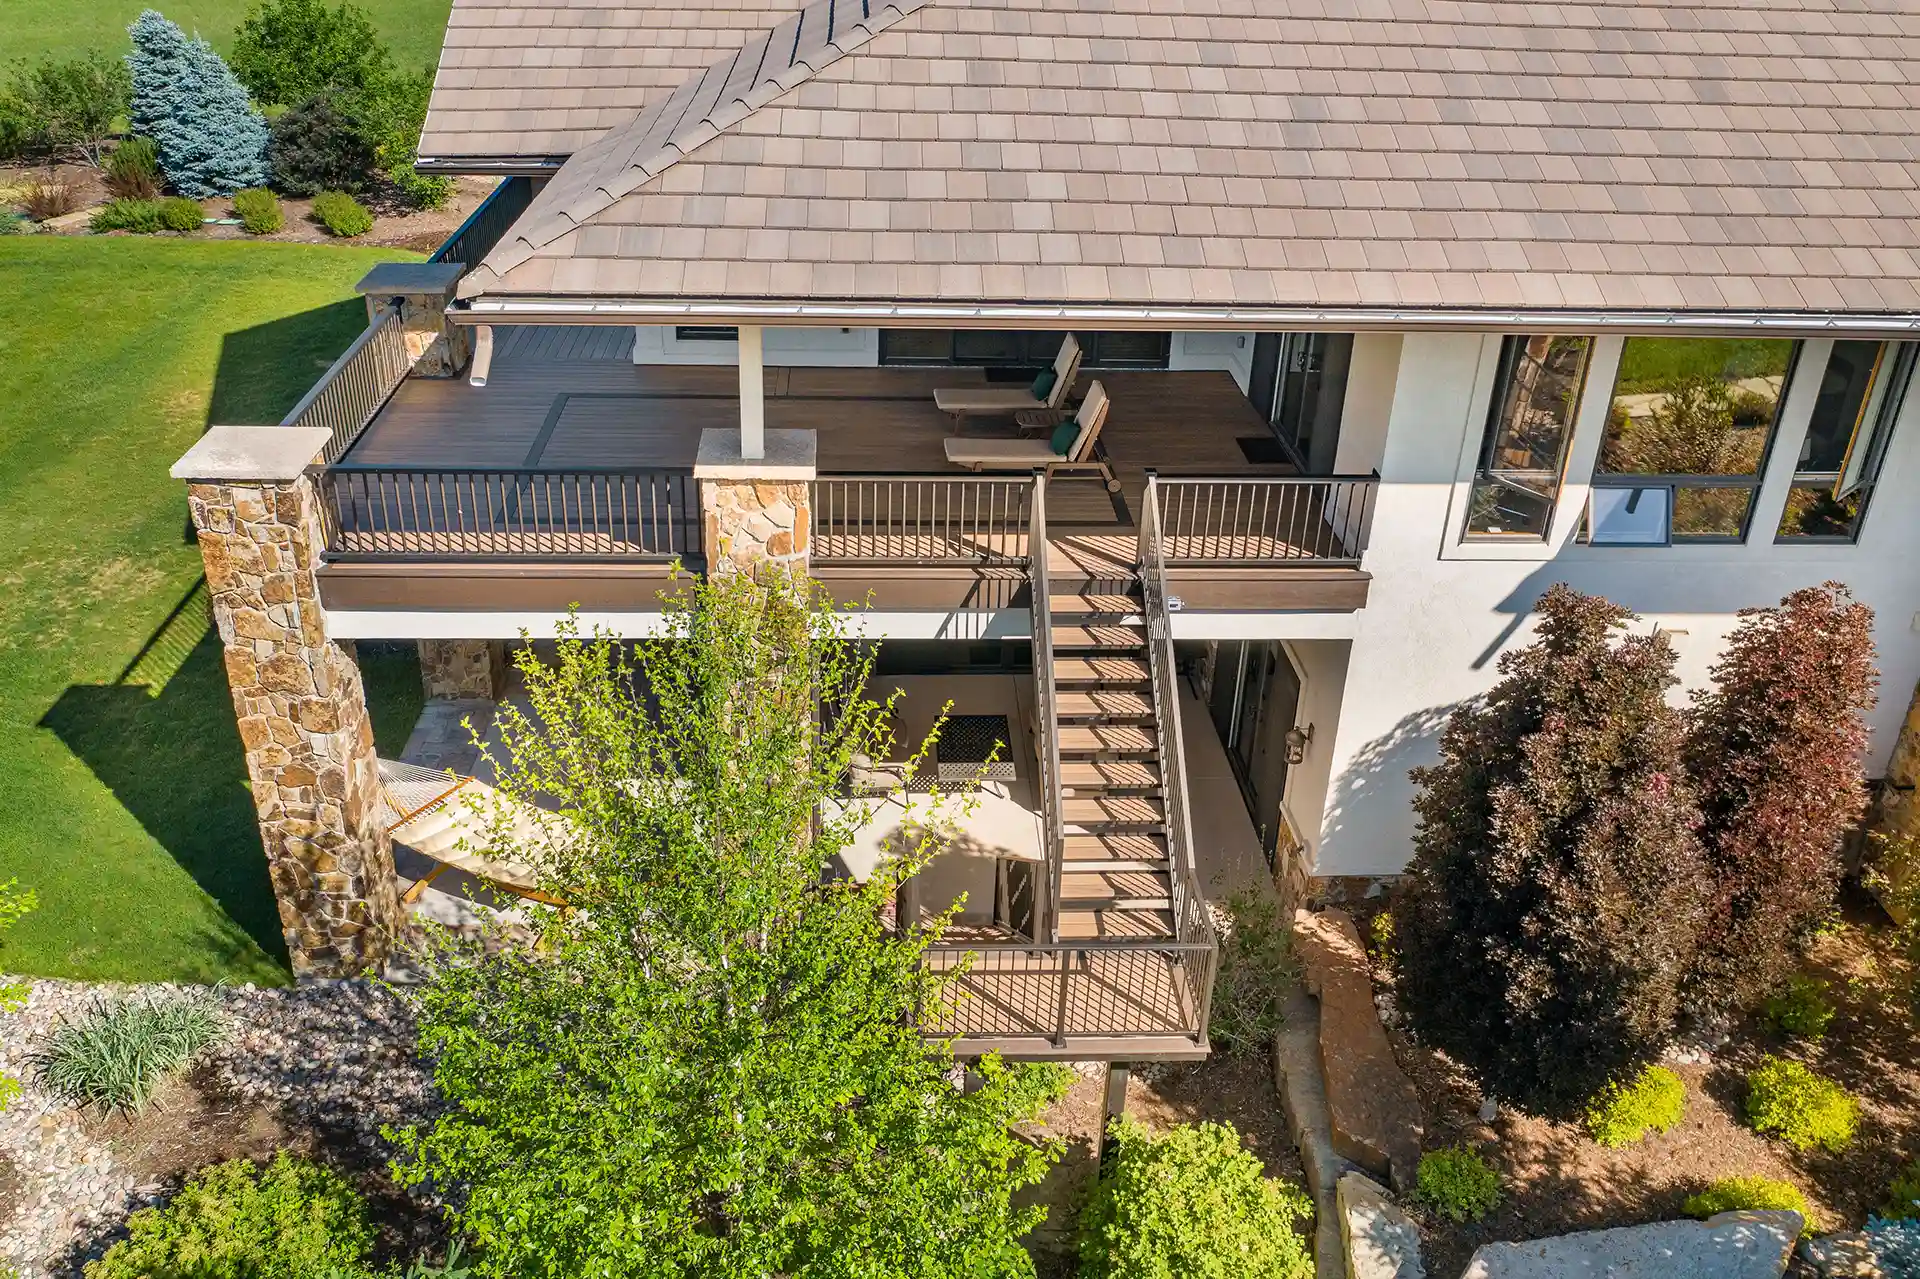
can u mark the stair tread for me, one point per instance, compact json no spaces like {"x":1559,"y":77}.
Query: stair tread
{"x":1091,"y":851}
{"x":1101,"y":635}
{"x":1078,"y":882}
{"x":1114,"y":808}
{"x":1111,"y":772}
{"x":1086,"y":925}
{"x":1073,"y":603}
{"x":1133,"y":739}
{"x":1102,"y":701}
{"x":1109,"y":669}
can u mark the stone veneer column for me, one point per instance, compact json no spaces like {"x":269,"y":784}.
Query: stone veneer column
{"x":423,"y":290}
{"x":301,"y":707}
{"x":463,"y":668}
{"x":756,"y":511}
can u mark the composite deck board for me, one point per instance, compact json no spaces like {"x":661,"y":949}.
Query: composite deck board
{"x":615,"y":413}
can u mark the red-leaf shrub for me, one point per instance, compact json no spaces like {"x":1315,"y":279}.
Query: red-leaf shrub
{"x":1557,"y":884}
{"x":1774,"y":750}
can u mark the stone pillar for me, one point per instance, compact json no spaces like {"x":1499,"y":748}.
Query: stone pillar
{"x":756,"y":512}
{"x":423,"y":290}
{"x":301,"y":707}
{"x":463,"y":668}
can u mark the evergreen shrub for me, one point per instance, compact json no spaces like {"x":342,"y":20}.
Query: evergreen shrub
{"x":133,"y":169}
{"x":142,"y":217}
{"x":177,"y":213}
{"x":1800,"y":1008}
{"x":341,"y":214}
{"x":1192,"y":1201}
{"x":211,"y":139}
{"x":1788,"y":1101}
{"x":1749,"y":1194}
{"x":291,"y":1219}
{"x":258,"y":210}
{"x":1457,"y":1183}
{"x":1655,"y":1100}
{"x":315,"y":147}
{"x":1903,"y":1196}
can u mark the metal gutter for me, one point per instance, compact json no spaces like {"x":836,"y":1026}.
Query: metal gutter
{"x":491,"y":166}
{"x":1044,"y":315}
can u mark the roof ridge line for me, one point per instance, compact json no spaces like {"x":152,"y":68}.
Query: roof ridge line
{"x":651,"y":150}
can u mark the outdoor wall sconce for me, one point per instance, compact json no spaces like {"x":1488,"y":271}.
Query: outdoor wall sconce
{"x":1297,"y":739}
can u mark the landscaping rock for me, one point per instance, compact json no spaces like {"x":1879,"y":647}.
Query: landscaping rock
{"x":335,"y":1058}
{"x":1303,"y":1096}
{"x":1733,"y":1245}
{"x":1374,"y":1109}
{"x":1842,"y":1256}
{"x":1381,"y":1241}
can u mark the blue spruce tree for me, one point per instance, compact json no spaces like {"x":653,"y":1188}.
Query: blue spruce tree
{"x":211,"y":140}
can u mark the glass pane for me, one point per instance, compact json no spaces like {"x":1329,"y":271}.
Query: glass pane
{"x":917,"y":346}
{"x":1837,"y":412}
{"x":1509,"y":506}
{"x":1128,"y":350}
{"x":1694,"y":406}
{"x":988,"y":346}
{"x":1812,"y":512}
{"x":1710,"y":513}
{"x":1527,"y":434}
{"x":1628,"y":516}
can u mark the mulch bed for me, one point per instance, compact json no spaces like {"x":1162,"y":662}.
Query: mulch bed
{"x":393,"y":226}
{"x":1556,"y":1180}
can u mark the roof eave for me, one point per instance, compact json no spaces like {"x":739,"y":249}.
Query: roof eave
{"x":904,"y":313}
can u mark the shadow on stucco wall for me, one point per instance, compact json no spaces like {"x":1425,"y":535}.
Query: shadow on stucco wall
{"x":1369,"y":813}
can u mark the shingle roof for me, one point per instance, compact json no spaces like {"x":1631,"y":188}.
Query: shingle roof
{"x":1657,"y":154}
{"x":530,"y":80}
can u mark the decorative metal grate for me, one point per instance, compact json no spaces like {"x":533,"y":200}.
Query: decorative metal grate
{"x":967,"y":741}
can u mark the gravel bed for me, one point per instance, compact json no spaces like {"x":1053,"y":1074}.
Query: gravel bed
{"x":333,"y":1058}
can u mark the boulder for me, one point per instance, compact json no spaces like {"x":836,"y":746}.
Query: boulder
{"x":1372,"y":1105}
{"x":1381,"y":1241}
{"x":1843,"y":1256}
{"x":1733,"y":1245}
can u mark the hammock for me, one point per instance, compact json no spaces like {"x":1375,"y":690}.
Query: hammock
{"x":432,"y":811}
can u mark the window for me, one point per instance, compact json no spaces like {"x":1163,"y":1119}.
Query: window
{"x":1686,"y":440}
{"x":1536,"y":394}
{"x":1860,"y":396}
{"x":1023,"y":349}
{"x":706,"y":333}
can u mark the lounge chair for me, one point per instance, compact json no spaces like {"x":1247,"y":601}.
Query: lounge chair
{"x":1049,"y":391}
{"x":1074,"y":447}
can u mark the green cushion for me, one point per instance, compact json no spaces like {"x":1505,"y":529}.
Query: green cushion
{"x":1043,"y":385}
{"x":1064,"y":435}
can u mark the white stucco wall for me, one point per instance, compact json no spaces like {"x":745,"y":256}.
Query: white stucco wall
{"x":1439,"y":613}
{"x":1228,"y":352}
{"x":1322,"y":665}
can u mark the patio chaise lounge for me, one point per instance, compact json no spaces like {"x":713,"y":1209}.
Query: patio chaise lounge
{"x":1074,"y":447}
{"x":1049,"y":391}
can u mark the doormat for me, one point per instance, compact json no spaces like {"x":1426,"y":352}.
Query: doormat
{"x":1261,"y":449}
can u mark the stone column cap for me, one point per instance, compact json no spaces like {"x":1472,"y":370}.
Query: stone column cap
{"x":791,"y":455}
{"x":263,"y":454}
{"x":411,"y":277}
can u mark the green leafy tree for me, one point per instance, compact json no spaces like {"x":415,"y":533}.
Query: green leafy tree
{"x":69,"y":106}
{"x":389,"y":114}
{"x":1557,"y":885}
{"x":14,"y":902}
{"x":709,"y":1064}
{"x":1774,"y":748}
{"x":289,"y":51}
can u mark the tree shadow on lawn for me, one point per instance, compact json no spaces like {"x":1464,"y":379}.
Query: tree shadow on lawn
{"x":265,"y":369}
{"x":173,"y":760}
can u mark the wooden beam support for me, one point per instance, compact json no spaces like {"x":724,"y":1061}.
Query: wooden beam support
{"x":1113,"y":1106}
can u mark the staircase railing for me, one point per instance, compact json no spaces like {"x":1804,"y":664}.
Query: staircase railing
{"x":1191,"y":920}
{"x":1046,"y":709}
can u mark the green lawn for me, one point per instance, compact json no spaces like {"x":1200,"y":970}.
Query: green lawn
{"x":65,"y":28}
{"x":123,"y":796}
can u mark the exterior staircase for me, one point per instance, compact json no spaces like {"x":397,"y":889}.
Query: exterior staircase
{"x":1115,"y":878}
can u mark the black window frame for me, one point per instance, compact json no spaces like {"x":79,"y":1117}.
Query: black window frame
{"x":1877,"y":439}
{"x":1512,"y":348}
